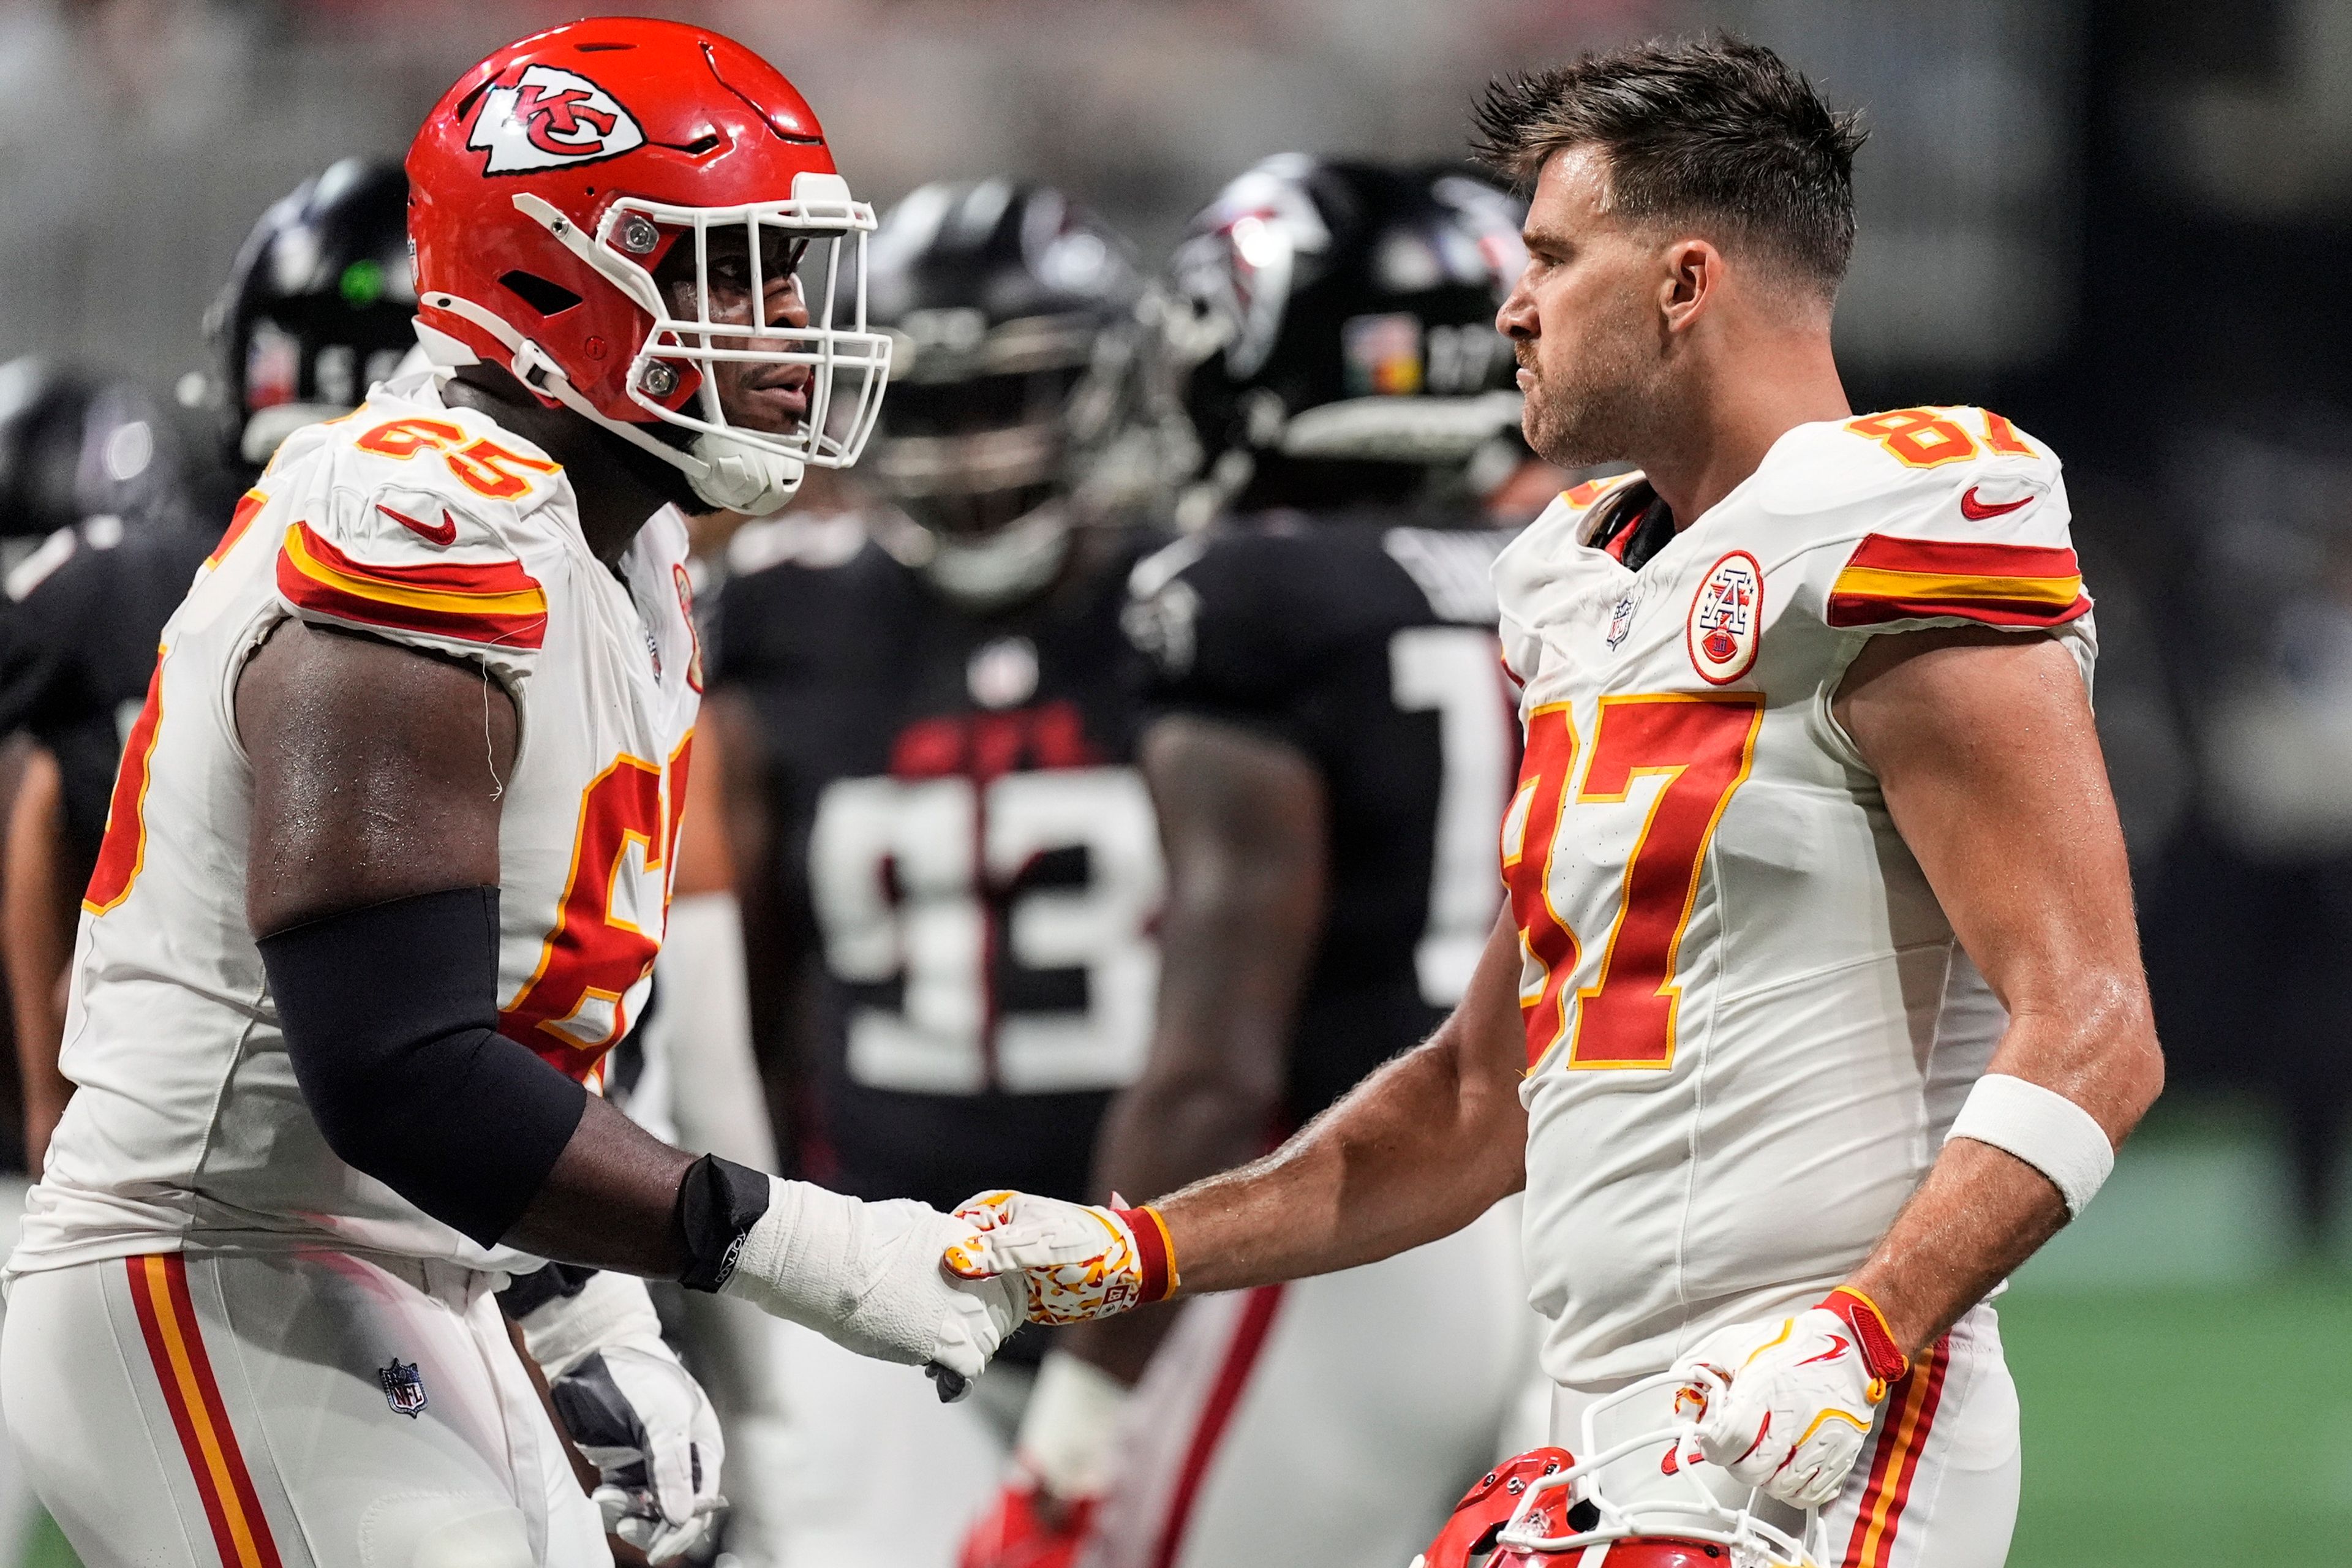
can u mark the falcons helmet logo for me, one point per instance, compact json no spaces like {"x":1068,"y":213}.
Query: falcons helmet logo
{"x":550,"y":118}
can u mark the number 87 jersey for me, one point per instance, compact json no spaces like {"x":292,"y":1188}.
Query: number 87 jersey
{"x":1749,"y":1024}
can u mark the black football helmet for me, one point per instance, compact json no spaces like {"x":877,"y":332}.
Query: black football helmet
{"x":73,"y":447}
{"x":1331,"y":338}
{"x":318,"y":306}
{"x":1016,"y":316}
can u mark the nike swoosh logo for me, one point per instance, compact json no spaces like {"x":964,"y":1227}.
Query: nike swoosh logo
{"x":445,"y":534}
{"x":1838,"y":1342}
{"x":1977,"y":510}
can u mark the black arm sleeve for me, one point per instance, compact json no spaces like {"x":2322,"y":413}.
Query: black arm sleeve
{"x":391,"y":1021}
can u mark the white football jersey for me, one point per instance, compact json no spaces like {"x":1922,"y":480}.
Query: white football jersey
{"x":1749,"y":1023}
{"x":430,"y":526}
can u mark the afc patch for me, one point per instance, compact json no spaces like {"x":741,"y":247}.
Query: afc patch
{"x":404,"y":1389}
{"x":1727,"y":618}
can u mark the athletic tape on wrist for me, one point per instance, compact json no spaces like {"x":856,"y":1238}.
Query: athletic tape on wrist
{"x":2042,"y":1128}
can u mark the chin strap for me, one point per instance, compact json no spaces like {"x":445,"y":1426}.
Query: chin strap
{"x":724,"y":472}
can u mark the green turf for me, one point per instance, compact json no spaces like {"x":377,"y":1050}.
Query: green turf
{"x":2209,"y":1426}
{"x":45,"y":1547}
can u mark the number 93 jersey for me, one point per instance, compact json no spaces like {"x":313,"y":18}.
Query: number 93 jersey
{"x":1749,"y":1024}
{"x":966,"y":866}
{"x":430,"y":527}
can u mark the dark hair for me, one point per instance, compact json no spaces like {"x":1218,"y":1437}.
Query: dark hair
{"x":1718,"y":130}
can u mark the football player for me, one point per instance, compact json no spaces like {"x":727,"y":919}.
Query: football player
{"x":388,"y":865}
{"x":85,"y":609}
{"x":1330,"y":749}
{"x":953,"y":866}
{"x":316,"y":307}
{"x":1818,"y":1006}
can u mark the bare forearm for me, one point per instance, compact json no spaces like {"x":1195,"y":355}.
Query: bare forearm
{"x":1986,"y":755}
{"x":1979,"y":1216}
{"x":1416,"y":1152}
{"x":1982,"y":1211}
{"x":611,"y":1201}
{"x":1160,"y":1136}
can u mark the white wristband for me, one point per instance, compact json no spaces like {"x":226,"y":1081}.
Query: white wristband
{"x":2042,"y":1128}
{"x":1066,"y":1432}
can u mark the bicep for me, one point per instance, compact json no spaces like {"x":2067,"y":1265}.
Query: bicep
{"x":377,"y":773}
{"x":1985,"y":751}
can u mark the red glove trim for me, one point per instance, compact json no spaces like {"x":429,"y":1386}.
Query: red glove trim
{"x":1154,"y":1252}
{"x":1879,"y":1352}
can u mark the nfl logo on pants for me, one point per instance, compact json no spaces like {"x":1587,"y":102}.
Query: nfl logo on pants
{"x":403,"y":1390}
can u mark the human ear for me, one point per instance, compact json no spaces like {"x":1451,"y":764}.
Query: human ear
{"x":1693,"y":273}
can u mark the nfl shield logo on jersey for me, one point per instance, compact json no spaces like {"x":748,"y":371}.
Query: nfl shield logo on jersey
{"x":403,"y":1390}
{"x":1620,"y":619}
{"x":1726,"y":619}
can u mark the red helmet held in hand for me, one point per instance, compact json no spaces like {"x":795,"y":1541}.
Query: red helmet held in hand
{"x":1641,"y":1496}
{"x":631,"y":216}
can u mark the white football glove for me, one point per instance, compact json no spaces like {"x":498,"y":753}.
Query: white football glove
{"x":1786,"y":1405}
{"x":633,"y":1411}
{"x":1071,"y":1261}
{"x":867,"y":1277}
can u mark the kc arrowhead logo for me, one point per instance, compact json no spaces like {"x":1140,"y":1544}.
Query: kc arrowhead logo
{"x":550,"y":118}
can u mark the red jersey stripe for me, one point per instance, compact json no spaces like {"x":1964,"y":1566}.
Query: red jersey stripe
{"x":494,"y":603}
{"x":248,"y":505}
{"x":1870,"y":610}
{"x":1954,"y":558}
{"x":463,"y":577}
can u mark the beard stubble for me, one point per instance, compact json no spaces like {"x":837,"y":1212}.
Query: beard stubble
{"x":1602,"y":405}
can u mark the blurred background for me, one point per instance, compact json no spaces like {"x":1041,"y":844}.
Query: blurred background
{"x":2119,"y":223}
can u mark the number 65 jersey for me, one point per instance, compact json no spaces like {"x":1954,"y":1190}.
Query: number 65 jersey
{"x":1749,"y":1024}
{"x":431,"y":527}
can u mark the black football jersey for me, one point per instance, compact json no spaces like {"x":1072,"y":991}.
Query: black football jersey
{"x":1368,"y":644}
{"x":79,"y":645}
{"x":963,"y":840}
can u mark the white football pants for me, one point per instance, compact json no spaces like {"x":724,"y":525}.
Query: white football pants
{"x":259,"y":1412}
{"x":1937,"y":1483}
{"x":18,"y":1507}
{"x":1329,"y":1422}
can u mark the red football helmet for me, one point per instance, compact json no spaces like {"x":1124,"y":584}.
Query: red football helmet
{"x":1637,"y":1498}
{"x":558,"y":176}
